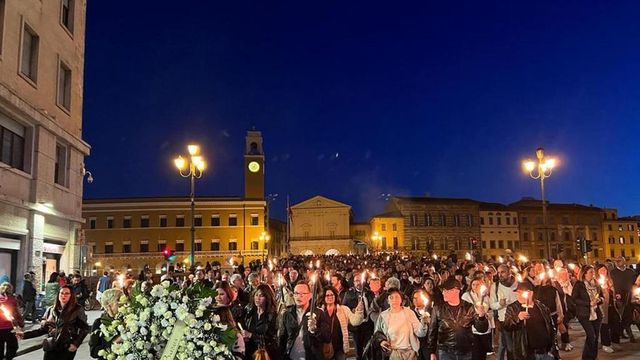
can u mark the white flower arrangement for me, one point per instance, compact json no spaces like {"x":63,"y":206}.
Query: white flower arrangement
{"x":146,"y":322}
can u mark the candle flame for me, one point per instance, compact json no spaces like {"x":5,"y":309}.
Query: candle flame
{"x":542,"y":276}
{"x":519,"y":278}
{"x":500,"y":259}
{"x":317,"y":263}
{"x":314,"y":278}
{"x":551,"y":274}
{"x":486,"y":268}
{"x":601,"y":280}
{"x":467,"y":256}
{"x":483,"y":289}
{"x":435,"y":257}
{"x":523,"y":258}
{"x":6,"y":313}
{"x":572,"y":266}
{"x":425,"y":299}
{"x":526,"y":294}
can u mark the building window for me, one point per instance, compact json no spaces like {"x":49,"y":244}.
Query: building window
{"x":254,"y":219}
{"x":413,"y":218}
{"x":612,"y":253}
{"x":481,"y":220}
{"x":492,"y":244}
{"x":384,"y":242}
{"x":197,"y":220}
{"x":163,"y":221}
{"x":508,"y":220}
{"x":12,"y":142}
{"x":594,"y":236}
{"x":524,"y":220}
{"x":443,"y":220}
{"x":306,"y":234}
{"x":233,"y":245}
{"x":621,"y":240}
{"x":126,"y":222}
{"x":233,"y":220}
{"x":499,"y":220}
{"x":332,"y":234}
{"x":567,"y":236}
{"x":470,"y":220}
{"x":395,"y":243}
{"x":619,"y":227}
{"x":64,"y":86}
{"x":490,"y":220}
{"x":144,"y":246}
{"x":622,"y":253}
{"x":66,"y":14}
{"x":215,"y":220}
{"x":29,"y":53}
{"x":383,"y":227}
{"x":612,"y":240}
{"x":500,"y":244}
{"x":525,"y":236}
{"x":180,"y":245}
{"x":427,"y":220}
{"x":108,"y":248}
{"x":179,"y":220}
{"x":394,"y":227}
{"x":215,"y":245}
{"x":254,"y":245}
{"x":161,"y":245}
{"x":631,"y":227}
{"x":509,"y":244}
{"x":609,"y":227}
{"x":144,"y":221}
{"x":633,"y":253}
{"x":540,"y":236}
{"x":109,"y":222}
{"x":198,"y":245}
{"x":631,"y":239}
{"x":92,"y":223}
{"x":515,"y":220}
{"x":456,"y":220}
{"x":60,"y":167}
{"x":126,"y":248}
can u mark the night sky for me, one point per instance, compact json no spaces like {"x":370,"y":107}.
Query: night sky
{"x":356,"y":99}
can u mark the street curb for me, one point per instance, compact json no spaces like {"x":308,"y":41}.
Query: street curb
{"x":29,"y":349}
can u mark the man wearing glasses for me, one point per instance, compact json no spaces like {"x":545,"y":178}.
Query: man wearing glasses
{"x":296,"y":341}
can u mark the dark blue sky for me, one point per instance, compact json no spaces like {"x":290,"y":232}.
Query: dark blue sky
{"x":356,"y":99}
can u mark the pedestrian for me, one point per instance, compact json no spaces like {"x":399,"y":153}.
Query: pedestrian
{"x":296,"y":340}
{"x":477,"y":295}
{"x":104,"y":283}
{"x":530,"y":325}
{"x":623,"y":279}
{"x":10,"y":321}
{"x":450,"y":327}
{"x":80,"y":290}
{"x":29,"y":297}
{"x":607,"y":307}
{"x":333,"y":323}
{"x":260,"y":324}
{"x":65,"y":325}
{"x":358,"y":292}
{"x":422,"y":307}
{"x":502,"y":294}
{"x":97,"y":343}
{"x":51,"y":290}
{"x":588,"y":296}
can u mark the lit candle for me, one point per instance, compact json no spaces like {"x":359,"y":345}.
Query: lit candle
{"x":435,"y":257}
{"x":519,"y":278}
{"x":425,"y":302}
{"x":486,"y":268}
{"x":526,"y":296}
{"x":327,"y":276}
{"x":362,"y":280}
{"x":523,"y":259}
{"x":541,"y":276}
{"x":551,"y":274}
{"x":483,"y":293}
{"x":500,"y":259}
{"x":467,"y":256}
{"x":317,"y":264}
{"x":6,"y":313}
{"x":314,"y":277}
{"x":231,"y":261}
{"x":572,"y":266}
{"x":602,"y":281}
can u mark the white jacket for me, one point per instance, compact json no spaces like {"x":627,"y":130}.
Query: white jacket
{"x":419,"y":330}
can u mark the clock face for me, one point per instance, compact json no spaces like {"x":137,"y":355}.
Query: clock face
{"x":254,"y":166}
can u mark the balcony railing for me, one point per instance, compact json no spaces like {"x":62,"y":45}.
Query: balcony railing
{"x":226,"y":253}
{"x":337,"y":237}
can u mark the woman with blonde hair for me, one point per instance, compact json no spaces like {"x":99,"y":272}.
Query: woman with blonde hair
{"x":97,"y":342}
{"x":587,"y":296}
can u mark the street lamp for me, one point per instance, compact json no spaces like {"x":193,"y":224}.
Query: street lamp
{"x":192,"y":167}
{"x":541,"y":169}
{"x":376,"y":237}
{"x":264,"y":237}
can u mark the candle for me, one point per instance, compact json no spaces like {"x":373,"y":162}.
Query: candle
{"x":425,"y":302}
{"x":313,"y":298}
{"x":327,"y":276}
{"x":500,"y":259}
{"x":486,"y":268}
{"x":526,"y":296}
{"x":362,"y":279}
{"x":435,"y":257}
{"x":317,"y":263}
{"x":467,"y":256}
{"x":572,"y":266}
{"x":523,"y":259}
{"x":6,"y":313}
{"x":551,"y":274}
{"x":231,"y":261}
{"x":541,"y":276}
{"x":519,"y":278}
{"x":602,"y":280}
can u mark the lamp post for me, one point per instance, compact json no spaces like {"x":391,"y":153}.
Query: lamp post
{"x":269,"y":199}
{"x":541,"y":169}
{"x":264,"y":237}
{"x":193,"y":168}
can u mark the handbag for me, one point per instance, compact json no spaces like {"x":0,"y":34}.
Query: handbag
{"x":327,"y":348}
{"x":635,"y":316}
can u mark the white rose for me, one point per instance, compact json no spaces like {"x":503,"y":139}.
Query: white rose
{"x":207,"y":326}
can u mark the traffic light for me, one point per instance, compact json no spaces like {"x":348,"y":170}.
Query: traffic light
{"x":169,"y":254}
{"x":474,"y":244}
{"x":579,"y":245}
{"x":588,"y":246}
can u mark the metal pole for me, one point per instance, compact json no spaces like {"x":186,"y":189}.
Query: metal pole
{"x":193,"y":216}
{"x":547,"y":246}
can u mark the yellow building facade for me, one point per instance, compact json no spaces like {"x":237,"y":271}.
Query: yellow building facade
{"x":498,"y":230}
{"x":320,"y":225}
{"x":387,"y":232}
{"x":131,"y":233}
{"x":620,"y":237}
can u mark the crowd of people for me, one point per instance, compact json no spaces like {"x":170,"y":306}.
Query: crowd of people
{"x":382,"y":306}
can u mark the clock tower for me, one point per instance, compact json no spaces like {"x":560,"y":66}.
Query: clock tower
{"x":253,"y":166}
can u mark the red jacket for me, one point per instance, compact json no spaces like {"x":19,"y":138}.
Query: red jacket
{"x":9,"y":302}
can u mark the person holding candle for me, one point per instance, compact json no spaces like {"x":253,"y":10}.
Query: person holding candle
{"x":587,"y":297}
{"x":608,"y":310}
{"x":623,"y":278}
{"x":565,"y":288}
{"x":478,"y":295}
{"x":10,"y":319}
{"x":450,"y":327}
{"x":296,"y":340}
{"x":358,"y":292}
{"x":422,"y":307}
{"x":531,"y":327}
{"x":401,"y":328}
{"x":502,"y":294}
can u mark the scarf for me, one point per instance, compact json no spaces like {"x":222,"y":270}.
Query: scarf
{"x":592,"y":290}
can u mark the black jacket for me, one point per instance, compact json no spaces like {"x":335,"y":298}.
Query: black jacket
{"x":373,"y":350}
{"x":28,"y":291}
{"x":96,"y":341}
{"x":583,"y":301}
{"x":516,"y":329}
{"x":81,"y":292}
{"x":68,"y":325}
{"x":351,"y":300}
{"x":289,"y":332}
{"x":450,"y":328}
{"x":264,"y":331}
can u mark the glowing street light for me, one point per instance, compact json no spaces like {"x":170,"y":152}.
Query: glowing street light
{"x":541,"y":169}
{"x":375,"y":238}
{"x":192,"y":167}
{"x":264,"y":237}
